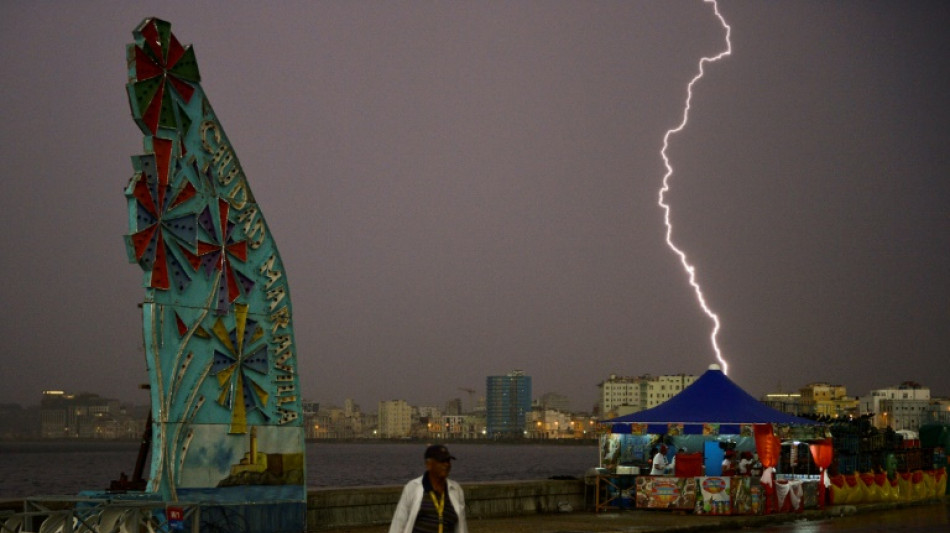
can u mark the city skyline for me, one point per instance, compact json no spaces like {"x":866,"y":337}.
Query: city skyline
{"x":471,"y":397}
{"x":458,"y":190}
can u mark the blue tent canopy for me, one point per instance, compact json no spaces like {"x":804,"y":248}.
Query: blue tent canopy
{"x":711,"y":399}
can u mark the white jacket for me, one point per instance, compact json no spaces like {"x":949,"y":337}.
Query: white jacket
{"x":408,"y":507}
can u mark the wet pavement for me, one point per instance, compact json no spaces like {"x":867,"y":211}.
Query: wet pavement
{"x":634,"y":521}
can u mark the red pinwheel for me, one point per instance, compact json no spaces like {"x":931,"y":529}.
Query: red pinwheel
{"x":159,"y":223}
{"x":159,"y":64}
{"x":217,"y":255}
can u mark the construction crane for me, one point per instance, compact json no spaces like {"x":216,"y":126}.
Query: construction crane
{"x":471,"y":393}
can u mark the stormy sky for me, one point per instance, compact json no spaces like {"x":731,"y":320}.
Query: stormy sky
{"x":462,"y":189}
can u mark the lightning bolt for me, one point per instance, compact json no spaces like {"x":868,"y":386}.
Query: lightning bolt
{"x":690,"y":269}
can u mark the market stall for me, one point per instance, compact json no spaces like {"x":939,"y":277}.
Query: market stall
{"x":700,"y":435}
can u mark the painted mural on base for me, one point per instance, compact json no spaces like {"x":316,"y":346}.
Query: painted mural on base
{"x":217,"y":320}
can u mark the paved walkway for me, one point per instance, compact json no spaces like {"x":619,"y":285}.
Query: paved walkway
{"x":639,"y":521}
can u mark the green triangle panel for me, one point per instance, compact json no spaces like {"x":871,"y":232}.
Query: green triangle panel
{"x":142,"y":94}
{"x":186,"y":68}
{"x":185,"y":121}
{"x":164,"y":33}
{"x":167,"y":116}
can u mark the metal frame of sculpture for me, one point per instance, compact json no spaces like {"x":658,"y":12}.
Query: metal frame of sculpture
{"x":217,"y":320}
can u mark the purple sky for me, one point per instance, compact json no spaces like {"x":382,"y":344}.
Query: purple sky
{"x":463,"y":189}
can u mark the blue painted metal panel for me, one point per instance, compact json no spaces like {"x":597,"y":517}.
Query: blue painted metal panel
{"x":217,"y":316}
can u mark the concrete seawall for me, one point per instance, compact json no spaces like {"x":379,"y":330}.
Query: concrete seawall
{"x":336,"y":508}
{"x":364,"y":506}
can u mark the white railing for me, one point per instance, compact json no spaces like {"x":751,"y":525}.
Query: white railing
{"x":93,"y":515}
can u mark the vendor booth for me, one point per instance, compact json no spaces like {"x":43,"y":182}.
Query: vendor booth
{"x":712,"y":448}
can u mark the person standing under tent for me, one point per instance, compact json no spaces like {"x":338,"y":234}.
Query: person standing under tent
{"x":728,"y":465}
{"x":660,"y":463}
{"x":745,"y":463}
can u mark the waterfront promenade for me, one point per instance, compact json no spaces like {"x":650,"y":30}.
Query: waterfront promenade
{"x":926,"y":515}
{"x":662,"y":521}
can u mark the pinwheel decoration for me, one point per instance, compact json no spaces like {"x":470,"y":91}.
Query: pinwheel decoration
{"x":160,"y":221}
{"x":236,"y":368}
{"x":217,"y":255}
{"x":163,"y":67}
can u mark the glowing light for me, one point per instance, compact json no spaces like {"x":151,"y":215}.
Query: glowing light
{"x":690,"y":269}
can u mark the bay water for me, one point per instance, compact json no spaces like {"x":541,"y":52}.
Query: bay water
{"x":38,"y":468}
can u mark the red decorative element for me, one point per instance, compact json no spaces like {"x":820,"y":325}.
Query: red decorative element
{"x":163,"y":158}
{"x":183,"y":88}
{"x":224,"y":209}
{"x":154,"y":111}
{"x":233,"y":291}
{"x":218,"y":255}
{"x":822,"y":452}
{"x":145,"y":68}
{"x":160,"y":268}
{"x":182,"y":328}
{"x":193,"y":260}
{"x":205,"y":248}
{"x":157,"y":191}
{"x":767,"y":445}
{"x":150,"y":33}
{"x":158,"y":63}
{"x":239,"y":250}
{"x":144,"y":196}
{"x":769,"y":449}
{"x":186,"y":193}
{"x":175,"y":51}
{"x":141,"y":240}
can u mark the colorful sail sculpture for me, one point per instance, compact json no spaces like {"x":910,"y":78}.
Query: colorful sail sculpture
{"x":217,"y":320}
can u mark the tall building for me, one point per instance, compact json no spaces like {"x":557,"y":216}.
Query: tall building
{"x":395,"y":419}
{"x":507,"y":404}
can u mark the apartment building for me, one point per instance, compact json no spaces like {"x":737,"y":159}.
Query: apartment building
{"x":827,"y":400}
{"x":897,"y":407}
{"x":621,"y":395}
{"x":395,"y":419}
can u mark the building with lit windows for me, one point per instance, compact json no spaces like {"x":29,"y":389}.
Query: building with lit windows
{"x":622,"y":395}
{"x":662,"y":388}
{"x":85,"y":416}
{"x":507,"y":403}
{"x":938,"y":412}
{"x":827,"y":400}
{"x":786,"y":402}
{"x":897,"y":407}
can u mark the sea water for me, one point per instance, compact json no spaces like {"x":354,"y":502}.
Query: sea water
{"x":66,"y":467}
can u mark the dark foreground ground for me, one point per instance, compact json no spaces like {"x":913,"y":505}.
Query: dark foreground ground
{"x":652,"y":521}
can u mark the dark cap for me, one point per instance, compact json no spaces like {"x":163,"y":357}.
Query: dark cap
{"x":438,"y":452}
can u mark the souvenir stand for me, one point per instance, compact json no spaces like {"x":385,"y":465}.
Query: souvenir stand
{"x":710,"y":420}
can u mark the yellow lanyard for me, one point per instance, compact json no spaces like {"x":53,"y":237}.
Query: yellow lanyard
{"x":439,"y":506}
